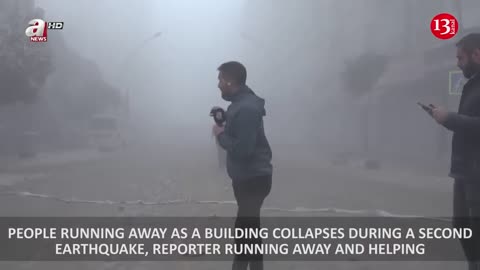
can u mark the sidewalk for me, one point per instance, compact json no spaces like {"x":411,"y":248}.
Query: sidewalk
{"x":411,"y":178}
{"x":389,"y":171}
{"x":15,"y":170}
{"x":48,"y":159}
{"x":10,"y":179}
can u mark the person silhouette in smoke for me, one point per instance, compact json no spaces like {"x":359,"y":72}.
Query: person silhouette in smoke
{"x":248,"y":154}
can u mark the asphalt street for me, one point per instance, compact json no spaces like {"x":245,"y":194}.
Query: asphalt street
{"x":161,"y":172}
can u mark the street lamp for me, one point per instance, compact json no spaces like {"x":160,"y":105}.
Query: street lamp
{"x":127,"y":64}
{"x":158,"y":34}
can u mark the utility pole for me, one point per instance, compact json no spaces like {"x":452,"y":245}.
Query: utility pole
{"x":409,"y":34}
{"x":459,"y":12}
{"x":127,"y":64}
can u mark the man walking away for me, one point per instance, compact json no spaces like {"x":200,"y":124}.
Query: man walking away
{"x":248,"y":154}
{"x":465,"y":160}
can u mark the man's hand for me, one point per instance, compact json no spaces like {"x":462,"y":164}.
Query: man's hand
{"x":439,"y":114}
{"x":217,"y":130}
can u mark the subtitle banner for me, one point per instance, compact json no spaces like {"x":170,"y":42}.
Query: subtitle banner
{"x":216,"y":239}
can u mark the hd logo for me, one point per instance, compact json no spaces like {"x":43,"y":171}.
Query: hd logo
{"x":37,"y":29}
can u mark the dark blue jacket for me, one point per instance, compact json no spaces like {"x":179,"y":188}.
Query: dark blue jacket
{"x":465,"y":124}
{"x":248,"y":151}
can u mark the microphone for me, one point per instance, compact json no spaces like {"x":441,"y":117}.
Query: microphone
{"x":218,"y":115}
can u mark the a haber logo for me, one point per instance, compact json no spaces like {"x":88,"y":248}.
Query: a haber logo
{"x":37,"y":30}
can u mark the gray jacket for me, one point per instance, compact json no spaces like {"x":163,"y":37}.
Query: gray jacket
{"x":248,"y":151}
{"x":465,"y":160}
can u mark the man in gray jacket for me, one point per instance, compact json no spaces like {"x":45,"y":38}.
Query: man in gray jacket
{"x":465,"y":156}
{"x":248,"y":153}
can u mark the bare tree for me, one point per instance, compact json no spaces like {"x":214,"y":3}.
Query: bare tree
{"x":25,"y":67}
{"x":360,"y":76}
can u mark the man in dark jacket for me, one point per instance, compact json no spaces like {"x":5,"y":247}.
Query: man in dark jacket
{"x":248,"y":153}
{"x":465,"y":161}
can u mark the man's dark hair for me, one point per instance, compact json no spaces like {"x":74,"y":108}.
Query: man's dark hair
{"x":234,"y":71}
{"x":469,"y":43}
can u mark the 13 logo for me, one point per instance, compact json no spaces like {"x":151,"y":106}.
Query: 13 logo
{"x":444,"y":26}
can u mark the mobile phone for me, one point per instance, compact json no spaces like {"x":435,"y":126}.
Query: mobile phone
{"x":428,"y":109}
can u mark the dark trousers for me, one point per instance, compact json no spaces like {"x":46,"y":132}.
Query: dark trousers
{"x":466,"y":212}
{"x":250,"y":194}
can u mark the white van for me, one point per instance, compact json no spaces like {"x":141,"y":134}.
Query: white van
{"x":105,"y":133}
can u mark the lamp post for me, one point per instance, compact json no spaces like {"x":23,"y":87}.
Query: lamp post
{"x":459,"y":10}
{"x":127,"y":63}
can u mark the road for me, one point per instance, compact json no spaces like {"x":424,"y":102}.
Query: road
{"x":165,"y":172}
